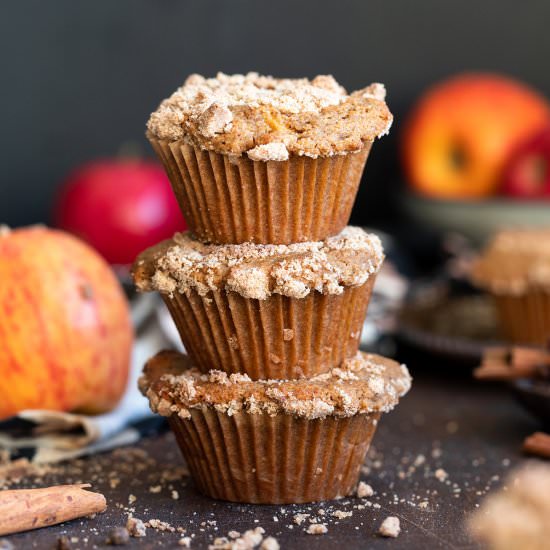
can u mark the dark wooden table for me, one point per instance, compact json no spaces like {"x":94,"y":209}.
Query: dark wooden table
{"x":434,"y":458}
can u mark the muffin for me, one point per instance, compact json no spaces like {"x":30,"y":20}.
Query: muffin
{"x":268,"y":311}
{"x":272,"y":161}
{"x":274,"y":441}
{"x":515,"y":269}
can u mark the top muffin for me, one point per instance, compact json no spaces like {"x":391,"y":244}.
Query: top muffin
{"x":270,"y":118}
{"x":514,"y":261}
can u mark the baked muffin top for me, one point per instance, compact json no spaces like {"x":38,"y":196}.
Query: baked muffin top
{"x":183,"y":264}
{"x":514,"y":261}
{"x":271,"y":118}
{"x":362,"y":385}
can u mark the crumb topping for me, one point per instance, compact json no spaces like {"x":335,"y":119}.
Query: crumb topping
{"x":514,"y":261}
{"x":257,"y":271}
{"x":173,"y":386}
{"x":270,"y":118}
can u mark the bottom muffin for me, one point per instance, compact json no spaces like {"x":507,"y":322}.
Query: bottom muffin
{"x":274,"y":441}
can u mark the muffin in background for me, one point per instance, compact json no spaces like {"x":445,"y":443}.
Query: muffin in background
{"x":268,"y":311}
{"x":515,"y":270}
{"x":257,"y":159}
{"x":274,"y":441}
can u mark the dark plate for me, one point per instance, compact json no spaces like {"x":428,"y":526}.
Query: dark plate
{"x":453,"y":327}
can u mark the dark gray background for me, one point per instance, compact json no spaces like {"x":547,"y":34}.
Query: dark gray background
{"x":79,"y":78}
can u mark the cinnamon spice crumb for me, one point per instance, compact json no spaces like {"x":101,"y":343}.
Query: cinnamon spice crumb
{"x":341,"y":514}
{"x":317,"y":529}
{"x":136,"y":527}
{"x":364,"y":490}
{"x":270,"y":543}
{"x":390,"y":527}
{"x":300,"y":518}
{"x":159,"y":525}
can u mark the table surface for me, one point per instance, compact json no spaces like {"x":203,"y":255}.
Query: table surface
{"x":470,"y":431}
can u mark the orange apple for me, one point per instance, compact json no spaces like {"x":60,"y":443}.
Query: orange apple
{"x":460,"y":134}
{"x":65,"y":329}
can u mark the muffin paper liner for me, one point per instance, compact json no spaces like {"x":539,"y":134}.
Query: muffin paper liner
{"x":281,"y":459}
{"x":231,"y":200}
{"x":525,"y":319}
{"x":280,"y":337}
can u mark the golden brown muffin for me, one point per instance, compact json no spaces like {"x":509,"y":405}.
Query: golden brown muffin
{"x":274,"y":441}
{"x":270,"y":311}
{"x":515,"y":269}
{"x":257,"y":159}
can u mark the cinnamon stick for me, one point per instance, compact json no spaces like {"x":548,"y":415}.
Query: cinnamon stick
{"x":25,"y":509}
{"x":537,"y":444}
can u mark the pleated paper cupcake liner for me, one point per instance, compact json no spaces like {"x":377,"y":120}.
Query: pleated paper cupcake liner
{"x":525,"y":319}
{"x":281,"y":459}
{"x":229,"y":200}
{"x":280,"y":337}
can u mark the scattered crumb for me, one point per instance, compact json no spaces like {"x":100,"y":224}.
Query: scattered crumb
{"x":390,"y":527}
{"x":136,"y":527}
{"x":185,"y":542}
{"x":340,"y":514}
{"x":419,"y":460}
{"x":155,"y":489}
{"x":114,"y":482}
{"x":249,"y":540}
{"x":441,"y":474}
{"x":175,"y":495}
{"x":300,"y":518}
{"x":317,"y":529}
{"x":364,"y":490}
{"x":159,"y":525}
{"x":270,"y":543}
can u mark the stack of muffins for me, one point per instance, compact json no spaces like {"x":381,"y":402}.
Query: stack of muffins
{"x":273,"y":403}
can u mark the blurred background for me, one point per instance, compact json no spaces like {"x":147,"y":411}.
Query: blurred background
{"x":80,"y":79}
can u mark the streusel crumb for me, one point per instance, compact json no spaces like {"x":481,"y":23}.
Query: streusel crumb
{"x":271,"y":118}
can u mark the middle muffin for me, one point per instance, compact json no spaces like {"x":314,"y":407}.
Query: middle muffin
{"x":270,"y":311}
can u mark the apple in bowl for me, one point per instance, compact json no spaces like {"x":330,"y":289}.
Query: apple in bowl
{"x":459,"y":136}
{"x":527,"y":173}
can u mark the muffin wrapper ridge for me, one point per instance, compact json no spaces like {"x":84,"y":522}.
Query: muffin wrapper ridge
{"x":525,"y":319}
{"x":228,"y":200}
{"x":280,"y":337}
{"x":257,"y":458}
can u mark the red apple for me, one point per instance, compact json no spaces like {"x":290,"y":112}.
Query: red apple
{"x":120,"y":207}
{"x":527,"y":174}
{"x":66,"y":334}
{"x":460,"y":134}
